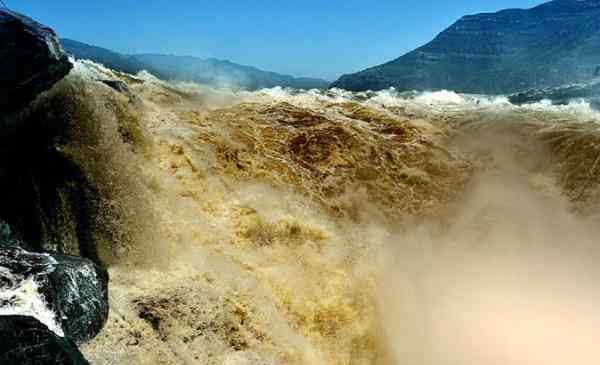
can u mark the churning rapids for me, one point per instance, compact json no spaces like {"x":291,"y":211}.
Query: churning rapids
{"x":328,"y":227}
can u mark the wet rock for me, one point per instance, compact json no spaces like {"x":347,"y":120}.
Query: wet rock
{"x":122,"y":88}
{"x":46,"y":198}
{"x":26,"y":341}
{"x":117,"y":85}
{"x":31,"y":60}
{"x":81,"y":297}
{"x":5,"y":233}
{"x":68,"y":294}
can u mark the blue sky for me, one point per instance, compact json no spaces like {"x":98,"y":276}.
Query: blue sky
{"x":324,"y":38}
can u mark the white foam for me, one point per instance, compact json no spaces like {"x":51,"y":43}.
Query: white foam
{"x":580,"y":109}
{"x":25,"y":299}
{"x":443,"y":97}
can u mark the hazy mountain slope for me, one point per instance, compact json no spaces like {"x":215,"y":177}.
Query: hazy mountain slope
{"x":207,"y":71}
{"x":511,"y":50}
{"x":222,"y":72}
{"x":113,"y":60}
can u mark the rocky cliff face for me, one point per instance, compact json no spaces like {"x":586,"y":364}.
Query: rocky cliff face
{"x":31,"y":60}
{"x":48,"y":301}
{"x":555,"y":43}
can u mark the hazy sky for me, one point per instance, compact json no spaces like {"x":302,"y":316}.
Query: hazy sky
{"x":324,"y":38}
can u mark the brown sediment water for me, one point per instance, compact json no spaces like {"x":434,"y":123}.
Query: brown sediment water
{"x":284,"y":227}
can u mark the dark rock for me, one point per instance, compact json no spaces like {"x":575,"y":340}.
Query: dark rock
{"x":26,"y":341}
{"x":31,"y":60}
{"x":121,"y":87}
{"x":553,"y":44}
{"x":7,"y":239}
{"x":5,"y":233}
{"x":43,"y":192}
{"x":117,"y":85}
{"x":72,"y":288}
{"x":47,"y":199}
{"x":80,"y":296}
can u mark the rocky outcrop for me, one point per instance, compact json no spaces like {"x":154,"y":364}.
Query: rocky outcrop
{"x":45,"y":198}
{"x":31,"y":60}
{"x":68,"y":293}
{"x":509,"y":51}
{"x":49,"y":301}
{"x":26,"y":341}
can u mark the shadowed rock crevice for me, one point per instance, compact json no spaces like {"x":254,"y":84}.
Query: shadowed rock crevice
{"x":24,"y":340}
{"x":47,"y":198}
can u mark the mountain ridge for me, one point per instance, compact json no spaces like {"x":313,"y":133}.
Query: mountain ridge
{"x":503,"y":52}
{"x":211,"y":71}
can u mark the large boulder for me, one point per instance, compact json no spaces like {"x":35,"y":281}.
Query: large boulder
{"x":31,"y":60}
{"x":68,"y":294}
{"x":45,"y":196}
{"x":26,"y":341}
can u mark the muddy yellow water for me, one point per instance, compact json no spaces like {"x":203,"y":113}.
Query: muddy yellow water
{"x":283,"y":227}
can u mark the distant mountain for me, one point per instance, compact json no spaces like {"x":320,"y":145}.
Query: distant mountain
{"x":113,"y":60}
{"x":185,"y":68}
{"x":509,"y":51}
{"x":225,"y":73}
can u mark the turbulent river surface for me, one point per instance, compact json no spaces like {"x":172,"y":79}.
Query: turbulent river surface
{"x":328,"y":227}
